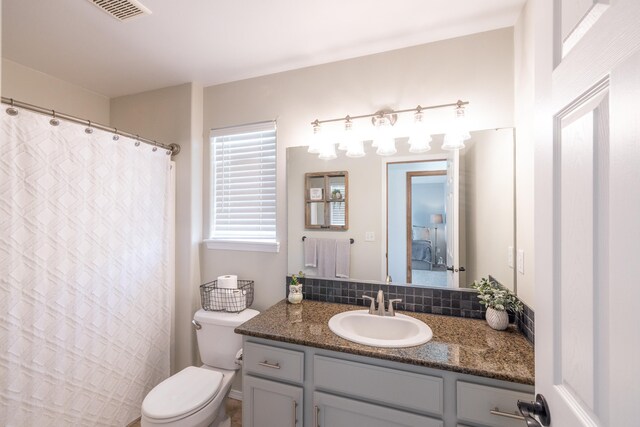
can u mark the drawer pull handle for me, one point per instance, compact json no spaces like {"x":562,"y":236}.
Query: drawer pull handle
{"x":316,"y":412}
{"x":515,"y":416}
{"x":295,"y":413}
{"x":269,"y":365}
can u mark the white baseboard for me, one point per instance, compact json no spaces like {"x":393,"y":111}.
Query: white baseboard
{"x":235,"y":394}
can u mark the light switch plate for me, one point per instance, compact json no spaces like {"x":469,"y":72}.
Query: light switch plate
{"x":520,"y":261}
{"x":369,"y":236}
{"x":510,"y":256}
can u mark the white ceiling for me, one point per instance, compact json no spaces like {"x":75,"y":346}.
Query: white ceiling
{"x":217,"y":41}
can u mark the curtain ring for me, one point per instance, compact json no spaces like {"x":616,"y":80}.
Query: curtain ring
{"x":12,"y":111}
{"x":137,"y":140}
{"x":54,"y":121}
{"x":89,"y":129}
{"x":115,"y":135}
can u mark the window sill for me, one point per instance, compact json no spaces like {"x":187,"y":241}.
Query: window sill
{"x":240,"y":245}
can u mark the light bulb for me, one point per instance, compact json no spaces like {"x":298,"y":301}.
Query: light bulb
{"x":347,"y":136}
{"x":327,"y":151}
{"x":420,"y":137}
{"x":316,"y":139}
{"x":356,"y":149}
{"x":453,"y":141}
{"x":384,"y":140}
{"x":460,"y":123}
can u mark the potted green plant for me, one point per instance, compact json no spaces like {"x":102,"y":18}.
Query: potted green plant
{"x":336,"y":194}
{"x":295,"y":289}
{"x":498,"y":301}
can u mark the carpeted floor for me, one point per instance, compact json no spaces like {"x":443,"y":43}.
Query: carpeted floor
{"x":234,"y":410}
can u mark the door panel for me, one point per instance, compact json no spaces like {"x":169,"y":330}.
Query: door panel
{"x":587,"y":206}
{"x":580,"y":215}
{"x":271,"y":404}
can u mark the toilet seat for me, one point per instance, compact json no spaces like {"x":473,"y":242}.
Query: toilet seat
{"x":182,"y":394}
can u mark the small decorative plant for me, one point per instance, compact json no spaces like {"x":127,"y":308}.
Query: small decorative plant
{"x":492,"y":295}
{"x":336,"y":194}
{"x":498,"y":301}
{"x":294,"y":278}
{"x":295,"y":289}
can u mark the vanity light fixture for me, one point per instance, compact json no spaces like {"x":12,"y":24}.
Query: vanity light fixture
{"x":459,"y":132}
{"x":420,"y":138}
{"x":384,"y":137}
{"x":316,"y":139}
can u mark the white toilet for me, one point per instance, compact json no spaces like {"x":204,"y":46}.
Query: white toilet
{"x":194,"y":397}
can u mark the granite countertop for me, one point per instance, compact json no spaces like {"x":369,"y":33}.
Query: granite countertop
{"x":462,"y":345}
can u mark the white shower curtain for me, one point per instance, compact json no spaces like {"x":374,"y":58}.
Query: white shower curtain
{"x":86,"y":273}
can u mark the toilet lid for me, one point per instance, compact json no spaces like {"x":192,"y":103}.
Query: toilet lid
{"x":182,"y":393}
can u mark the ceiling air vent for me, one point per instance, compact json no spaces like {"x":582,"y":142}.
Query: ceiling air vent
{"x":122,"y":9}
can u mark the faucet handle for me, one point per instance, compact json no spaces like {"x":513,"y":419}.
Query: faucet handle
{"x":372,"y":307}
{"x":391,"y":312}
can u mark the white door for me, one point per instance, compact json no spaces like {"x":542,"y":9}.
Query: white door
{"x":587,"y":216}
{"x":452,"y":219}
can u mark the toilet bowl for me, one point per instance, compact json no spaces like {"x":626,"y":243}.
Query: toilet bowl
{"x":194,"y":397}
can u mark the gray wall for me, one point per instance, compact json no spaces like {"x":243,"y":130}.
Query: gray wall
{"x":170,"y":115}
{"x":34,"y":87}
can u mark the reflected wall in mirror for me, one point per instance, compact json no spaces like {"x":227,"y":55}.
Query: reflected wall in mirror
{"x":441,"y":219}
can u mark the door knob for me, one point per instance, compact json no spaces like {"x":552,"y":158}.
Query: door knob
{"x":539,"y":408}
{"x":450,"y":267}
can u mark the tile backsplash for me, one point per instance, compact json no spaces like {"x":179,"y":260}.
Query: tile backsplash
{"x":448,"y":302}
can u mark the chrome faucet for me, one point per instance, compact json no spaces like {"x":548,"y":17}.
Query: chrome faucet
{"x":380,"y":300}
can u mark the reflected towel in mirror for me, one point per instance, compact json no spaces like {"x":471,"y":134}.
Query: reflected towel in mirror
{"x":343,"y":258}
{"x":310,"y":252}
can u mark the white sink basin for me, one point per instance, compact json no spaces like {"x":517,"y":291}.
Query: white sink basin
{"x":390,"y":331}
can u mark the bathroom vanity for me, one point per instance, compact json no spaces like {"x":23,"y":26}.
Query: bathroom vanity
{"x":298,"y":373}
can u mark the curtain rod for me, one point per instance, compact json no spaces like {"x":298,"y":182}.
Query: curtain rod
{"x":173,"y":149}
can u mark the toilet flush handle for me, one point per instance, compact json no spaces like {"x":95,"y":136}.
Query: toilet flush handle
{"x":196,"y":324}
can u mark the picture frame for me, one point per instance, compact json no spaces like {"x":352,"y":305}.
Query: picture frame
{"x":315,"y":194}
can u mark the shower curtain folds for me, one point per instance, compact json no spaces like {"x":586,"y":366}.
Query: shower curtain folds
{"x":85,"y":273}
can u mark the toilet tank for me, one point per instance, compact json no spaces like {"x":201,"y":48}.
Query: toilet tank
{"x":217,"y":343}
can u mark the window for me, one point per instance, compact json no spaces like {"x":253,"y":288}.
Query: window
{"x":243,"y":188}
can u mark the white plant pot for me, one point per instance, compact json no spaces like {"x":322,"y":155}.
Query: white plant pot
{"x":295,"y":294}
{"x":498,"y":320}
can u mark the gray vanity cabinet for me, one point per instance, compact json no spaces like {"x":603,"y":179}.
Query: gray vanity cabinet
{"x":271,"y":404}
{"x":276,"y":399}
{"x":332,"y":411}
{"x":346,"y":390}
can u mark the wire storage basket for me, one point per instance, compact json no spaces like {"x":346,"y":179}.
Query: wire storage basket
{"x":214,"y":298}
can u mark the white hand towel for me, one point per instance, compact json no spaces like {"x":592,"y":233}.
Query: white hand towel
{"x":310,"y":252}
{"x":327,"y":258}
{"x":343,"y":258}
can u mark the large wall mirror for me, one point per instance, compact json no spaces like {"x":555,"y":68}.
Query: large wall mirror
{"x":439,"y":219}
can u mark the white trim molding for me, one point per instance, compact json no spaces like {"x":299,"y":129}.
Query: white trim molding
{"x":240,"y":245}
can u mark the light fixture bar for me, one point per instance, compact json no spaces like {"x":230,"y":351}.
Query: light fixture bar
{"x":377,"y":113}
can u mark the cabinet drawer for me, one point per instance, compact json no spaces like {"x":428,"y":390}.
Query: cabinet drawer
{"x":402,"y":389}
{"x":336,"y":411}
{"x":274,"y":362}
{"x":475,"y":403}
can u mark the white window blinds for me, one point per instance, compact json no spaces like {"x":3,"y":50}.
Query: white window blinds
{"x":243,"y":170}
